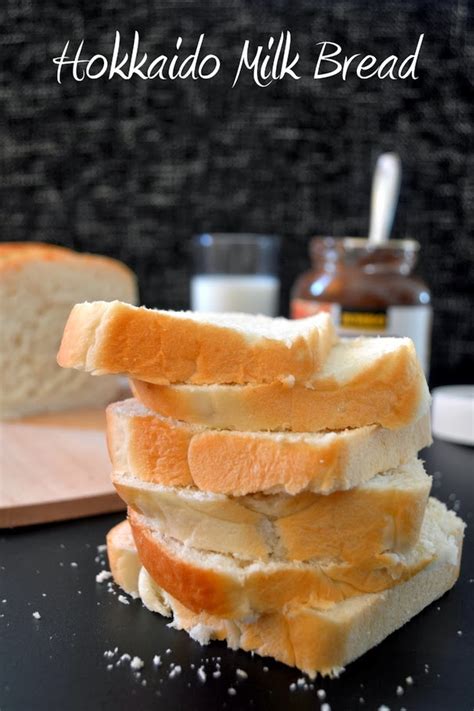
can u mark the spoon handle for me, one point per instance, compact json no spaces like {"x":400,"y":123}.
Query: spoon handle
{"x":385,"y":191}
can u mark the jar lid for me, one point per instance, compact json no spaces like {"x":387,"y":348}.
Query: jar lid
{"x":453,"y":413}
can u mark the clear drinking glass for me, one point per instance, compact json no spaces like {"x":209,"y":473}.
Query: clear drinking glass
{"x":235,"y":272}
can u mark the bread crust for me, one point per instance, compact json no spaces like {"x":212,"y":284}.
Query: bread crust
{"x":14,"y":255}
{"x":257,"y":588}
{"x":351,"y":526}
{"x":391,"y":392}
{"x":123,"y":560}
{"x":156,"y":346}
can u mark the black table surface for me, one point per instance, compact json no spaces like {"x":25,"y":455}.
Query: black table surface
{"x":58,"y":662}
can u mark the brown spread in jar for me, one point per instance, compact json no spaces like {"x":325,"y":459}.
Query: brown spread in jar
{"x":369,"y":290}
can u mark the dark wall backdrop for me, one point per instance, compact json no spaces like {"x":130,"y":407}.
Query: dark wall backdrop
{"x":133,"y":168}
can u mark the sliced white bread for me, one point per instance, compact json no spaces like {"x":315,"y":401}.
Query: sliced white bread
{"x":166,"y":451}
{"x":38,"y":286}
{"x":186,"y":347}
{"x":365,"y":381}
{"x":371,"y":522}
{"x":229,"y":587}
{"x":313,"y":639}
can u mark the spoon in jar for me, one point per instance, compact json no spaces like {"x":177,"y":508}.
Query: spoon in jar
{"x":384,"y":199}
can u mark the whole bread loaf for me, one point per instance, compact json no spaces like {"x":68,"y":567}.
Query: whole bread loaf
{"x":39,"y":284}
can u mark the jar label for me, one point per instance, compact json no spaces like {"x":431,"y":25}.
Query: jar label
{"x":411,"y":321}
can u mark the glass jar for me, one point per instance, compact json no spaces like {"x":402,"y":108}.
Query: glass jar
{"x":369,"y":290}
{"x":235,"y":272}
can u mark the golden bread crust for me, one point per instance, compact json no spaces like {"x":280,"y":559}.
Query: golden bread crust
{"x":14,"y":255}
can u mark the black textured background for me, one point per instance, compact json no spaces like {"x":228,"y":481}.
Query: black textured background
{"x":133,"y":168}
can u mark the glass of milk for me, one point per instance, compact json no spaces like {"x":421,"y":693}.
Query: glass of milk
{"x":235,"y":272}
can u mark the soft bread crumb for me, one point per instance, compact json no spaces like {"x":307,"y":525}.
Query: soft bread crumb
{"x":157,"y":660}
{"x":103,"y":576}
{"x":124,"y":600}
{"x":321,"y":694}
{"x":241,"y":674}
{"x":231,"y":691}
{"x":201,"y":674}
{"x":36,"y":615}
{"x":400,"y":690}
{"x":137,"y":663}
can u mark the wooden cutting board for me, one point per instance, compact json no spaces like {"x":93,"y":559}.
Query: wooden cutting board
{"x":55,"y":467}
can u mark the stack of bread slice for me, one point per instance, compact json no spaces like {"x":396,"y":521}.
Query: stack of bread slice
{"x":275,"y":499}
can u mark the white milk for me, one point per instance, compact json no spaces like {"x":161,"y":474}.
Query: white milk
{"x":252,"y":293}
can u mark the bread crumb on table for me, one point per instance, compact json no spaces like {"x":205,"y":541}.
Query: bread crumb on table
{"x":137,"y":663}
{"x":231,"y":691}
{"x":124,"y":600}
{"x":36,"y":615}
{"x":201,"y":674}
{"x":241,"y":674}
{"x":174,"y":672}
{"x":103,"y":576}
{"x":321,"y":694}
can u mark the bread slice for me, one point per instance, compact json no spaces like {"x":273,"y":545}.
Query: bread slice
{"x":316,"y":640}
{"x":226,"y":586}
{"x":365,"y":381}
{"x":371,"y":522}
{"x":123,"y":558}
{"x":165,"y":451}
{"x":38,"y":286}
{"x":183,"y":346}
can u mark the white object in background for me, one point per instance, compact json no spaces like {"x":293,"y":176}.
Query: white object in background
{"x":384,"y":200}
{"x":453,"y":413}
{"x":246,"y":293}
